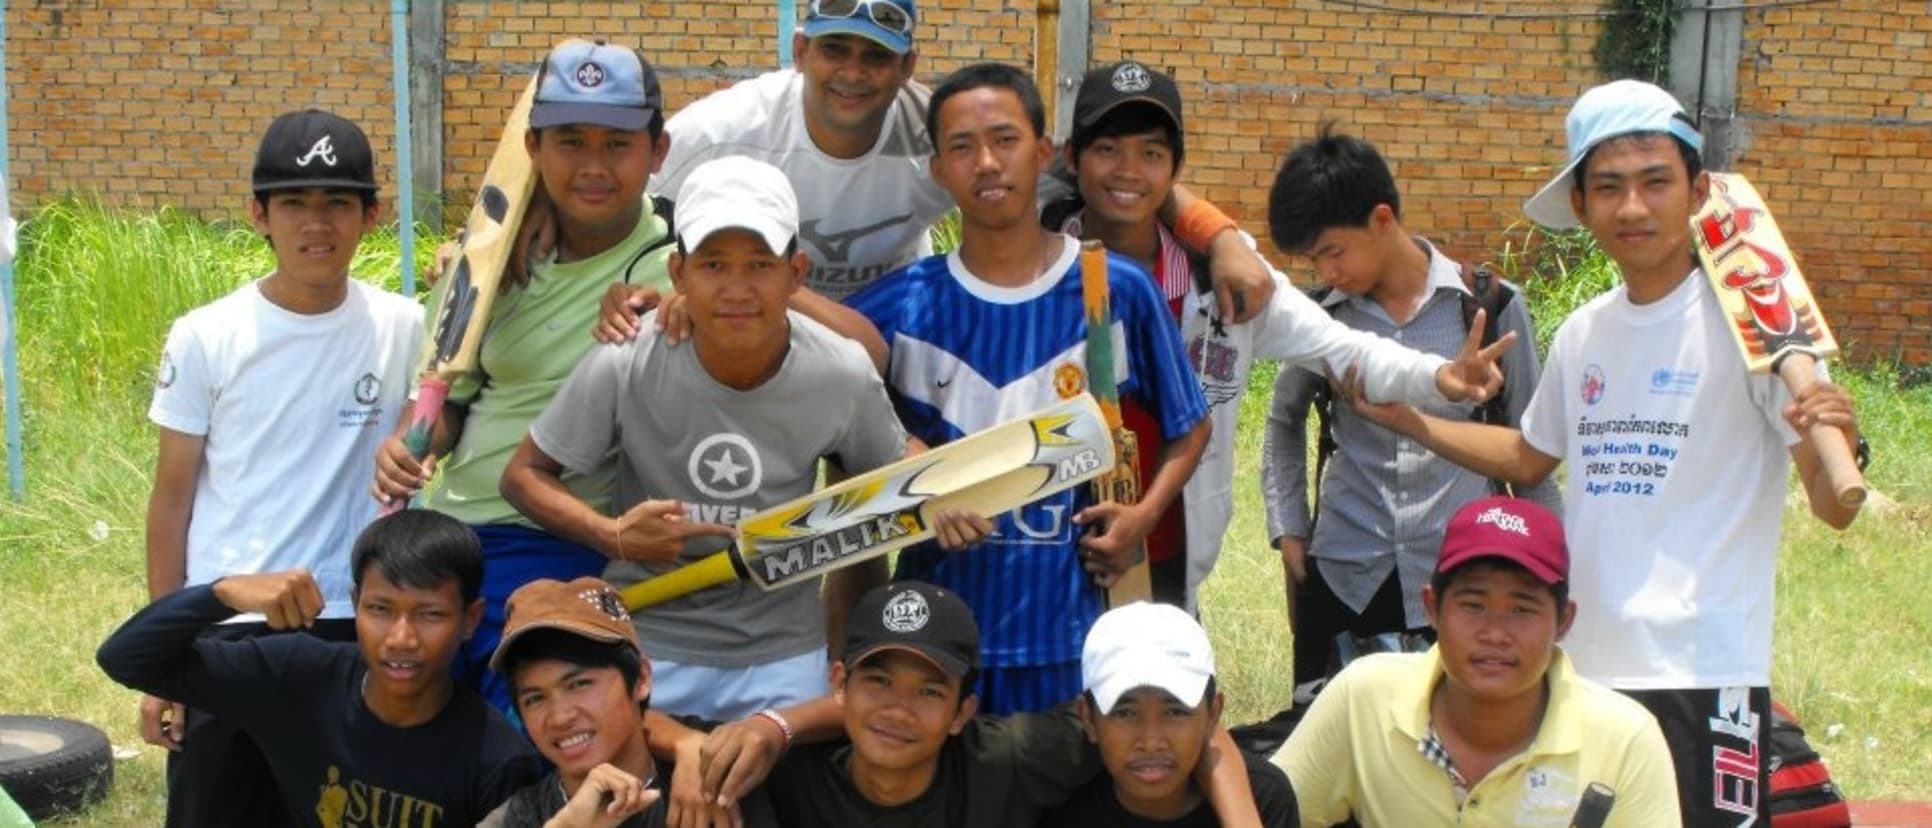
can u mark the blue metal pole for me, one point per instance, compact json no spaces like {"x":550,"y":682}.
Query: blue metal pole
{"x":787,"y":21}
{"x":16,"y":461}
{"x":405,"y":169}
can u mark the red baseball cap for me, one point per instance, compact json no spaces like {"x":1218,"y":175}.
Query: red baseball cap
{"x":1510,"y":528}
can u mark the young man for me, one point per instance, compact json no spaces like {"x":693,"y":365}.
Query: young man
{"x":1151,"y":707}
{"x":730,"y":423}
{"x":996,"y":329}
{"x":1492,"y":726}
{"x":384,"y":736}
{"x":583,"y":686}
{"x":279,"y":391}
{"x":1383,"y":499}
{"x":596,"y":135}
{"x":918,"y":757}
{"x":1677,"y":457}
{"x":1127,"y":148}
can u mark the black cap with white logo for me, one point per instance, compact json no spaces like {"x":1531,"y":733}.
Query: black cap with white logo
{"x":914,"y":617}
{"x":1117,"y":84}
{"x":313,"y":148}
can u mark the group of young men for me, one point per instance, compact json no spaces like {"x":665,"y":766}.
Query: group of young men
{"x":754,"y":270}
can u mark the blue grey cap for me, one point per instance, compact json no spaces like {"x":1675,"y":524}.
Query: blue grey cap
{"x":1604,"y":112}
{"x":586,"y":82}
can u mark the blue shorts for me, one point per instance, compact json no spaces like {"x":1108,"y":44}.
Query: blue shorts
{"x":513,"y":556}
{"x":1034,"y":688}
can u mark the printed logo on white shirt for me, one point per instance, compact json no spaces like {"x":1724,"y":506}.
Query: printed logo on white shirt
{"x":165,"y":376}
{"x":368,"y":389}
{"x":1592,"y":384}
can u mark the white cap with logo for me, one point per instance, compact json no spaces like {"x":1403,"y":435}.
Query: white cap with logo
{"x":1604,"y":112}
{"x":1146,"y":645}
{"x":736,"y":191}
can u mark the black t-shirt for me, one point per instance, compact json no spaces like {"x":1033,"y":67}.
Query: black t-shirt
{"x":533,"y":805}
{"x":300,"y":699}
{"x":1096,"y":804}
{"x":997,"y":773}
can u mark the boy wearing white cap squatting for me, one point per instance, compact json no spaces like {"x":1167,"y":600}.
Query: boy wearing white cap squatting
{"x":716,"y":429}
{"x":1151,"y":706}
{"x":1677,"y":457}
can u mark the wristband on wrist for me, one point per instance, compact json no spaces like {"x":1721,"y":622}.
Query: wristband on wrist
{"x":784,"y":727}
{"x":1197,"y":225}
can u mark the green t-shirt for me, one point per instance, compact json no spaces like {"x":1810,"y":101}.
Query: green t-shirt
{"x":535,"y":337}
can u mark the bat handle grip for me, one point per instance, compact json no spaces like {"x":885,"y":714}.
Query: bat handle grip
{"x":1799,"y":371}
{"x":1594,"y":807}
{"x":430,"y":395}
{"x":713,"y":570}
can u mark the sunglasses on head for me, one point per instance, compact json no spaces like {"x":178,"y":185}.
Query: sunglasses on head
{"x":889,"y":15}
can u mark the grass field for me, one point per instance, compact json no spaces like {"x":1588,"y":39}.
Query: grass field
{"x":98,"y":289}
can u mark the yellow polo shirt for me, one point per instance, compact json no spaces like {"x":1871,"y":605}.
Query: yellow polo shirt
{"x":1358,"y":752}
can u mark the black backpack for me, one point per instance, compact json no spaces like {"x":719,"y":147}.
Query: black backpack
{"x":1487,"y":292}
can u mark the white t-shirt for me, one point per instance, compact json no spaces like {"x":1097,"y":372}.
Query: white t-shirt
{"x":291,"y":408}
{"x":1676,"y":465}
{"x":859,"y":218}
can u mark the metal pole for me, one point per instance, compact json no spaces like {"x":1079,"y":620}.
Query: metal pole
{"x":787,"y":22}
{"x":16,"y":462}
{"x":405,"y":169}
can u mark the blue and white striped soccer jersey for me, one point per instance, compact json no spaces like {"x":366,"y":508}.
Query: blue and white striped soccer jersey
{"x":966,"y":355}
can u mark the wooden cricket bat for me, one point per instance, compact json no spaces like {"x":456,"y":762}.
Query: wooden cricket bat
{"x":1774,"y":320}
{"x":1121,"y":483}
{"x":996,"y":470}
{"x":469,"y":283}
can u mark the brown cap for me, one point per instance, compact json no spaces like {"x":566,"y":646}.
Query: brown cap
{"x":586,"y":606}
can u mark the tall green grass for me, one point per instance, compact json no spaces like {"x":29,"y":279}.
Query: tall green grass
{"x":98,"y":289}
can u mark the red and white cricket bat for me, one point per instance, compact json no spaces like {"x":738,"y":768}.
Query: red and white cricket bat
{"x":993,"y":471}
{"x":1774,"y":320}
{"x":469,"y":283}
{"x":1120,"y":483}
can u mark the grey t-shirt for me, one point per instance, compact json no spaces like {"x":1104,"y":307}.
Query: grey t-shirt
{"x":681,"y":435}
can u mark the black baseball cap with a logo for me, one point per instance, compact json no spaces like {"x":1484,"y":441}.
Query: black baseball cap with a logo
{"x":1110,"y":87}
{"x":313,"y":148}
{"x":918,"y":618}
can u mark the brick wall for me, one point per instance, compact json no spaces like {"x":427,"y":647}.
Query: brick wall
{"x":161,"y":101}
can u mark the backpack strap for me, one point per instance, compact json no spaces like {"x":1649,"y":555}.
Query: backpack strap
{"x":663,"y":208}
{"x":1492,"y":295}
{"x":1323,"y":401}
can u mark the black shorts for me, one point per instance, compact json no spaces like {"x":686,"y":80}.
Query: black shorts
{"x":1718,"y":742}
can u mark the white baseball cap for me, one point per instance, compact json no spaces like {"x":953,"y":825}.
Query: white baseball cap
{"x":1602,"y":113}
{"x":736,"y":191}
{"x":1146,"y":645}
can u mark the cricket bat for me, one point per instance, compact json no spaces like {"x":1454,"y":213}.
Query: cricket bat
{"x":469,"y":282}
{"x":996,"y":470}
{"x":1121,"y":482}
{"x":1774,"y":320}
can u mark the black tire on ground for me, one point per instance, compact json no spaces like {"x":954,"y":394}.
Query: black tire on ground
{"x":54,"y":766}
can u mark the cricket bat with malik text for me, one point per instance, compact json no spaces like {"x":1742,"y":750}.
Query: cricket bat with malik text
{"x":1121,"y":483}
{"x":993,"y":471}
{"x":469,"y":283}
{"x":1774,"y":320}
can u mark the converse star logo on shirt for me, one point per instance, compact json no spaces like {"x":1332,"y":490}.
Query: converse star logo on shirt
{"x":323,"y":149}
{"x":1504,"y":520}
{"x":590,"y":75}
{"x":907,"y":612}
{"x":1132,"y":77}
{"x":725,"y":467}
